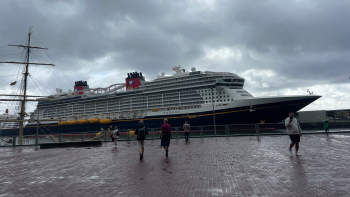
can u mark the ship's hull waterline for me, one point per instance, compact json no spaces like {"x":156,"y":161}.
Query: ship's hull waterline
{"x":267,"y":113}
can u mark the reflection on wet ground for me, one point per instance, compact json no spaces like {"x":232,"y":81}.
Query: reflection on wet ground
{"x":234,"y":166}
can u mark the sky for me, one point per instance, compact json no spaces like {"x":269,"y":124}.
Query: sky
{"x":278,"y":47}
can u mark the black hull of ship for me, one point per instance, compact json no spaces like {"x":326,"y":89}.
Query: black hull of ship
{"x":269,"y":113}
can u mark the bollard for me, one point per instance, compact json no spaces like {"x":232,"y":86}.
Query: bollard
{"x":14,"y":141}
{"x":83,"y":137}
{"x":60,"y":137}
{"x":152,"y":133}
{"x":176,"y":132}
{"x":36,"y":139}
{"x":105,"y":136}
{"x":201,"y":131}
{"x":128,"y":132}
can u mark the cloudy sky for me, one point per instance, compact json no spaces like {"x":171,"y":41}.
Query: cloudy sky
{"x":279,"y":47}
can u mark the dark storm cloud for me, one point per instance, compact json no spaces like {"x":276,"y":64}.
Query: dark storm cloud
{"x":304,"y":43}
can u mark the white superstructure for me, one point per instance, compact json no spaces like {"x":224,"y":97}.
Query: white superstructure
{"x":8,"y":125}
{"x":182,"y":91}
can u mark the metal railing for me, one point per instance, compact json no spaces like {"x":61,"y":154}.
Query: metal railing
{"x":178,"y":132}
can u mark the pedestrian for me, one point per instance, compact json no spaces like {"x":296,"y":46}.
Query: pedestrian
{"x":115,"y":135}
{"x":165,"y":135}
{"x":186,"y":128}
{"x":110,"y":132}
{"x":294,"y":131}
{"x":141,"y":132}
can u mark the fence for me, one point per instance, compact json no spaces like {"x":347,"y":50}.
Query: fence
{"x":178,"y":132}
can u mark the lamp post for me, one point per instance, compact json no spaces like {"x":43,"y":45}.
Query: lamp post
{"x":37,"y":127}
{"x":212,"y":101}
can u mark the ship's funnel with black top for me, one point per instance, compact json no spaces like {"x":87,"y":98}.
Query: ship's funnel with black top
{"x":134,"y":80}
{"x":80,"y":87}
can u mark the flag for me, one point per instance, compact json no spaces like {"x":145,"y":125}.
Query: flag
{"x":13,"y":83}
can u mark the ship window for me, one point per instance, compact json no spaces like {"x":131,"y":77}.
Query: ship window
{"x":228,"y":95}
{"x":206,"y":101}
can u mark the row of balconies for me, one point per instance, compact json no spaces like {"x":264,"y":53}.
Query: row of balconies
{"x":186,"y":80}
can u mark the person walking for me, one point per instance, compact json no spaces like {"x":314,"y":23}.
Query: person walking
{"x":115,"y":135}
{"x":186,"y":128}
{"x":294,"y":132}
{"x":141,"y":132}
{"x":110,"y":132}
{"x":165,"y":135}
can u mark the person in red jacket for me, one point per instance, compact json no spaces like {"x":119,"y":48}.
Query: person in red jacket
{"x":166,"y":135}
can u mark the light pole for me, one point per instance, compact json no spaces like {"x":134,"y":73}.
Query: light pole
{"x":212,"y":101}
{"x":37,"y":127}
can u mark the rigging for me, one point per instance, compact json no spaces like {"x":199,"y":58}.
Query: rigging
{"x":24,"y":82}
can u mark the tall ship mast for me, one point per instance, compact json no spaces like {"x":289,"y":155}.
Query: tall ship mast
{"x":23,"y":98}
{"x":200,"y":97}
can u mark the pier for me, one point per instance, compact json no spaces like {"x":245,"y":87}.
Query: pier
{"x":222,"y":166}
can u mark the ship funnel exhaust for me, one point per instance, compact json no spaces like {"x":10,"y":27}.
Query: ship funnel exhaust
{"x":134,"y":80}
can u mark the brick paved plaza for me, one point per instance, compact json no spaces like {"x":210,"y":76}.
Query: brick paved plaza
{"x":234,"y":166}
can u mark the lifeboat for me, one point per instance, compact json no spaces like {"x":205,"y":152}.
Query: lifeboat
{"x":72,"y":122}
{"x":83,"y":121}
{"x":132,"y":133}
{"x":105,"y":121}
{"x":62,"y":123}
{"x":94,"y":120}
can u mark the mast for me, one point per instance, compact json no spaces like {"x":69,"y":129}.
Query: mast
{"x":23,"y":102}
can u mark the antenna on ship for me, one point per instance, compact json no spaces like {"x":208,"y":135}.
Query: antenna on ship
{"x":309,"y":92}
{"x":27,"y":63}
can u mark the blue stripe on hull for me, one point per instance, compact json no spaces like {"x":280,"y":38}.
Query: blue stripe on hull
{"x":270,"y":113}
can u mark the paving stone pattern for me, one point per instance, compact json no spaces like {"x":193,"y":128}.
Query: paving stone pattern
{"x":233,"y":166}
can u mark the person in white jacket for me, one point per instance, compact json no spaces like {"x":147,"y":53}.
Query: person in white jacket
{"x":294,"y":132}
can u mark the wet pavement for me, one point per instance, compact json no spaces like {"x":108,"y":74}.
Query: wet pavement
{"x":234,"y":166}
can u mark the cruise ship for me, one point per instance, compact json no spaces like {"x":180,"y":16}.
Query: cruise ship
{"x":193,"y":95}
{"x":8,"y":128}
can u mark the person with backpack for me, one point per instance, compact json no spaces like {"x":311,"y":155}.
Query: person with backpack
{"x":141,"y":133}
{"x":165,"y":135}
{"x":115,"y":135}
{"x":186,"y":128}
